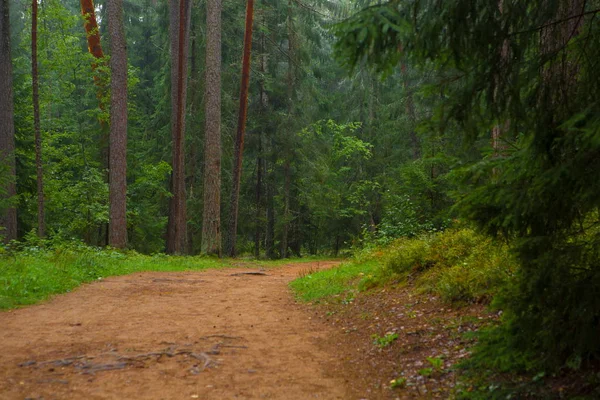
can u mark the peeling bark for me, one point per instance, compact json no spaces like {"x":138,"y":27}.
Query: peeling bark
{"x":8,"y":218}
{"x":241,"y":129}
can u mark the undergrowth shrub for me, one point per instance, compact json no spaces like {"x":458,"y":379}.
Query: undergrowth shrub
{"x":460,"y":265}
{"x":405,"y":255}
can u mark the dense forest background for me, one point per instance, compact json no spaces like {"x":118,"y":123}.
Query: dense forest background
{"x":366,"y":123}
{"x":328,"y":156}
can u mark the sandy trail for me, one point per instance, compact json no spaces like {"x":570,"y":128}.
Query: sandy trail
{"x":217,"y":334}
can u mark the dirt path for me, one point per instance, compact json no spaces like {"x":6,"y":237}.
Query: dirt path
{"x":207,"y":335}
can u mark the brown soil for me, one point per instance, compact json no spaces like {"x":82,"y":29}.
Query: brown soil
{"x":217,"y":334}
{"x":423,"y":326}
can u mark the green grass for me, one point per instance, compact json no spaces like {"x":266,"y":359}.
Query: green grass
{"x":334,"y":281}
{"x":458,"y":265}
{"x":33,"y":274}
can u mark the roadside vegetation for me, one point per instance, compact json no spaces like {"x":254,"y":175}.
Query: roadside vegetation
{"x":33,"y":270}
{"x":458,"y":268}
{"x":458,"y":265}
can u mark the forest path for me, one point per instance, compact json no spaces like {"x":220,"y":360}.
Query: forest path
{"x":216,"y":334}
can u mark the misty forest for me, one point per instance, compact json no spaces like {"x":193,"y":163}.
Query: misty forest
{"x":425,"y":171}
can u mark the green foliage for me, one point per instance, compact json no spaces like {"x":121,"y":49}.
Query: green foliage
{"x":459,"y":265}
{"x":526,"y":69}
{"x":335,"y":281}
{"x":398,"y":383}
{"x":385,"y":340}
{"x":374,"y":32}
{"x":437,"y":363}
{"x":32,"y":273}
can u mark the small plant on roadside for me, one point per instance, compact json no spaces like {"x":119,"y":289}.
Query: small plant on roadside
{"x":398,"y":383}
{"x":436,"y":362}
{"x":437,"y":365}
{"x":385,"y":340}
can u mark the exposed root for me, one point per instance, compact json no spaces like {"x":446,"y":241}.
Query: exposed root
{"x":247,"y":273}
{"x":85,"y":366}
{"x":222,"y":337}
{"x":191,"y":281}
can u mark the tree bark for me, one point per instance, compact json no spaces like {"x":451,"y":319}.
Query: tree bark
{"x":36,"y":121}
{"x":8,"y":218}
{"x":270,"y":228}
{"x":117,"y":228}
{"x":101,"y":82}
{"x":94,"y":47}
{"x":211,"y":221}
{"x":241,"y":129}
{"x":499,"y":130}
{"x":260,"y":162}
{"x":179,"y":33}
{"x":258,"y":198}
{"x":286,"y":210}
{"x":410,"y":111}
{"x":286,"y":192}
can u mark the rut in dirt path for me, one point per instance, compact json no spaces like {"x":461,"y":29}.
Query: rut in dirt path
{"x":217,"y":334}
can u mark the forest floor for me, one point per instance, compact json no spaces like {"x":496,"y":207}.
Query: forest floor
{"x":230,"y":333}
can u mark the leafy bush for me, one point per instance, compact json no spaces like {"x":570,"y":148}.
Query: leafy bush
{"x":405,"y":255}
{"x":459,"y":264}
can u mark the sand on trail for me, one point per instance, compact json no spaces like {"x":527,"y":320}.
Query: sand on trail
{"x":216,"y":334}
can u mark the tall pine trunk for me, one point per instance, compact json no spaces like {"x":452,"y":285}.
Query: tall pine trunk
{"x":270,"y":202}
{"x":179,"y":33}
{"x":8,"y":217}
{"x":92,"y":32}
{"x":211,"y":221}
{"x":258,"y":198}
{"x":36,"y":121}
{"x":95,"y":49}
{"x":241,"y":129}
{"x":117,"y":228}
{"x":286,"y":190}
{"x":260,"y":161}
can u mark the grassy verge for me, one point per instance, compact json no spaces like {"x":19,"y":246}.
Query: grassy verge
{"x":33,"y":274}
{"x":314,"y":286}
{"x":457,"y":265}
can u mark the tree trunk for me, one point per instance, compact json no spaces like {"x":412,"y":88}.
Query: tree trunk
{"x":211,"y":221}
{"x":8,"y":218}
{"x":286,"y":192}
{"x":117,"y":233}
{"x":36,"y":121}
{"x":101,"y":81}
{"x":410,"y":111}
{"x":239,"y":139}
{"x":260,"y":162}
{"x":270,"y":228}
{"x":94,"y":47}
{"x":179,"y":37}
{"x":258,"y":192}
{"x":286,"y":210}
{"x":499,"y":130}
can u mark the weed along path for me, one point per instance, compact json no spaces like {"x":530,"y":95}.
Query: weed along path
{"x":216,"y":334}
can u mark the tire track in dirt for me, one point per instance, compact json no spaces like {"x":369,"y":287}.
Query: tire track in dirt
{"x":184,"y":335}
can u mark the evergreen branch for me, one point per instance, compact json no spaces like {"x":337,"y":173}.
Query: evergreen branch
{"x":539,"y":28}
{"x":309,"y":8}
{"x":283,"y":52}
